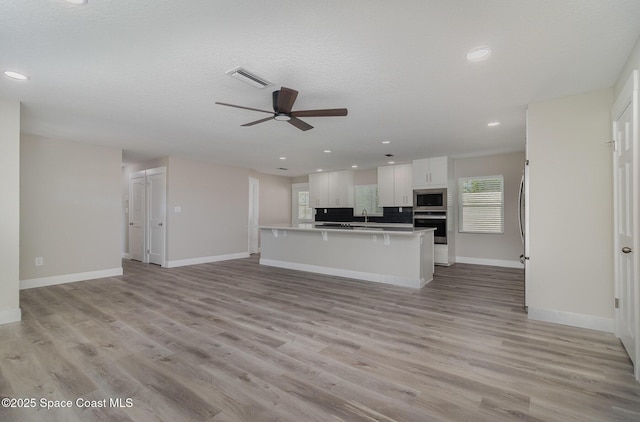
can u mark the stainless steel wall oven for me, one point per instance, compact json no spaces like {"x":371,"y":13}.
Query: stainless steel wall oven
{"x":432,"y":219}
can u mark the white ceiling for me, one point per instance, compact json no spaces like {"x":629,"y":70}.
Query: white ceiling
{"x":143,"y":75}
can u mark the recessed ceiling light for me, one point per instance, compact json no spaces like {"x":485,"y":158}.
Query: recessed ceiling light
{"x":77,"y":1}
{"x":319,"y":170}
{"x":283,"y":158}
{"x":392,"y":162}
{"x":478,"y":53}
{"x":386,"y":142}
{"x":15,"y":75}
{"x":355,"y":166}
{"x":493,"y":124}
{"x":327,"y":151}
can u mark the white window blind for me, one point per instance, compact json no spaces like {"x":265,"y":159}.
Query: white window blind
{"x":366,"y":196}
{"x":305,"y":212}
{"x":481,"y":204}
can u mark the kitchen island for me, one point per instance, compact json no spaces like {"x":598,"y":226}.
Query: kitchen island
{"x":402,"y":256}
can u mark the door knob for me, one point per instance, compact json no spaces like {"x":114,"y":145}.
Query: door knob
{"x":131,"y":224}
{"x":160,"y":224}
{"x":626,"y":249}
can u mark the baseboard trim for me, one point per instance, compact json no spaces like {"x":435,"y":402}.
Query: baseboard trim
{"x":10,"y":315}
{"x":205,"y":259}
{"x":125,"y":255}
{"x":574,"y":320}
{"x":491,"y":262}
{"x":358,"y":275}
{"x":69,"y":278}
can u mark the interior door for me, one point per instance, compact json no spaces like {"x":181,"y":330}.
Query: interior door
{"x":137,"y":220}
{"x":156,"y":201}
{"x":625,"y":133}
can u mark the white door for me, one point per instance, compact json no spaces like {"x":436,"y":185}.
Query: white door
{"x":137,"y":220}
{"x":156,"y":202}
{"x":625,"y":133}
{"x":254,"y":229}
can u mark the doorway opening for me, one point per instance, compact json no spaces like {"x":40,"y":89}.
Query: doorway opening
{"x":147,"y":216}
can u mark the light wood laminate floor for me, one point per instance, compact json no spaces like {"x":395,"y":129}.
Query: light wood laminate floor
{"x":234,"y":341}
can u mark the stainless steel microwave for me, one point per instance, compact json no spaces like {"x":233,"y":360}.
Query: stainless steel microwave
{"x":430,"y":199}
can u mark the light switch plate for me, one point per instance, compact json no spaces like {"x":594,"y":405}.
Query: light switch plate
{"x":177,"y":209}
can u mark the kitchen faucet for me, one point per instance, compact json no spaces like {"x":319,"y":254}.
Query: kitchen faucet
{"x":366,"y":217}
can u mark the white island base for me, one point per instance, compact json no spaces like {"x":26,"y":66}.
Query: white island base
{"x":402,"y":258}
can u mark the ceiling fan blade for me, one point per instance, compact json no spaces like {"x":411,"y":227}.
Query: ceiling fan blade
{"x":328,"y":112}
{"x":286,"y":98}
{"x":300,"y":124}
{"x":245,"y":108}
{"x":258,"y":121}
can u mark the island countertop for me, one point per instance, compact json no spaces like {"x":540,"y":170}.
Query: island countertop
{"x":402,"y":256}
{"x":368,"y":229}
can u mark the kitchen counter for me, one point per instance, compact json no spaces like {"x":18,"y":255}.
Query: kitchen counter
{"x":401,"y":256}
{"x":369,"y":229}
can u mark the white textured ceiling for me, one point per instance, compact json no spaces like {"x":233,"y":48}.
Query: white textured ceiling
{"x":143,"y":75}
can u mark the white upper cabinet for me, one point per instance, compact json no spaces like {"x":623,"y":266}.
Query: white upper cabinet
{"x":403,"y":184}
{"x":386,"y":187}
{"x":430,"y":173}
{"x":394,"y":186}
{"x":318,"y":190}
{"x":331,"y":190}
{"x":341,"y":189}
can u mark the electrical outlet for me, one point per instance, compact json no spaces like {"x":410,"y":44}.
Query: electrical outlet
{"x":39,"y":261}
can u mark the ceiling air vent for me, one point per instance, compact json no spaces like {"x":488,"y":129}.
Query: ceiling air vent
{"x":248,"y":77}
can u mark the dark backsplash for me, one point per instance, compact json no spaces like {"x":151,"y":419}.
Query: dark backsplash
{"x":390,"y":215}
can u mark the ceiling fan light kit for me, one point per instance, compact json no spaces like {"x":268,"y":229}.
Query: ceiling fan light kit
{"x":283,"y":100}
{"x":282,"y":117}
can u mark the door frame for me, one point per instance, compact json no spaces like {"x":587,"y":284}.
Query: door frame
{"x":628,"y":97}
{"x":146,"y":229}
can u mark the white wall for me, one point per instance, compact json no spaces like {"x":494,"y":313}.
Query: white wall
{"x":633,"y":63}
{"x":10,"y":211}
{"x":70,"y":209}
{"x":365,"y":177}
{"x":494,"y":249}
{"x":570,"y":272}
{"x":274,"y":198}
{"x":213,"y":222}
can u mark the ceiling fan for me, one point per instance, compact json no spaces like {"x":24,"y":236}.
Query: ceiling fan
{"x":283,"y":100}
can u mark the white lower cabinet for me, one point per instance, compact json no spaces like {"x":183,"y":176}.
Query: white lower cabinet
{"x":441,"y":254}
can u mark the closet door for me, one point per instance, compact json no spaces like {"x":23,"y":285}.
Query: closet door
{"x":156,"y":202}
{"x":137,"y":213}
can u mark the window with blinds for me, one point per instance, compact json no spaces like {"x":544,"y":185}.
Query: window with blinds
{"x":481,"y":204}
{"x":366,"y":197}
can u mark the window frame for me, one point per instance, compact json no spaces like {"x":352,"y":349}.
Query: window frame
{"x":375,"y":212}
{"x":462,"y":206}
{"x":296,"y":189}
